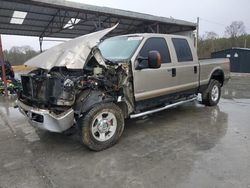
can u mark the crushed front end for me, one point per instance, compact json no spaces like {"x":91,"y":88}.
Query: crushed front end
{"x":71,"y":79}
{"x":54,"y":100}
{"x":47,"y":100}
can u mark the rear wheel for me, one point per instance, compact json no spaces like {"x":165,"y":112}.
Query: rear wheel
{"x":102,"y":126}
{"x":213,"y":93}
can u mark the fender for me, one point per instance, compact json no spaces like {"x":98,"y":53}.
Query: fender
{"x":218,"y":74}
{"x":89,"y":98}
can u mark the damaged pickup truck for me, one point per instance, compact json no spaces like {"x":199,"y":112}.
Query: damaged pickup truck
{"x":97,"y":84}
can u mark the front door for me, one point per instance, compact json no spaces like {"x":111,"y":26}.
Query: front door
{"x":150,"y":83}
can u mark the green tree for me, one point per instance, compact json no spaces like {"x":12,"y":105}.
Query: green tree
{"x":19,"y":55}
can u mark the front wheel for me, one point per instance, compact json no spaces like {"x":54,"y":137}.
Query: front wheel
{"x":102,"y":126}
{"x":212,"y":94}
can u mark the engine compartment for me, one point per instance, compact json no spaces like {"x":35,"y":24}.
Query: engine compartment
{"x":60,"y":88}
{"x":44,"y":89}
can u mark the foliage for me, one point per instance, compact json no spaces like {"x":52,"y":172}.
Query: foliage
{"x":207,"y":46}
{"x":210,"y":42}
{"x":19,"y":55}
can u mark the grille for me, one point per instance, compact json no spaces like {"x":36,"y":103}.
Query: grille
{"x":35,"y":88}
{"x":46,"y":90}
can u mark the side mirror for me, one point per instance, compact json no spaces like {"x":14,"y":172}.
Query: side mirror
{"x":154,"y":60}
{"x":142,"y":63}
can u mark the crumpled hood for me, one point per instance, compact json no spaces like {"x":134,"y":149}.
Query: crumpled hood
{"x":71,"y":54}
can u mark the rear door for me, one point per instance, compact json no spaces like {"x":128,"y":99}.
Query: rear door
{"x":187,"y":65}
{"x":150,"y":83}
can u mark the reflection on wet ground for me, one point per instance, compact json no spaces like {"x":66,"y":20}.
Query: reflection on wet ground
{"x":237,"y":87}
{"x":187,"y":146}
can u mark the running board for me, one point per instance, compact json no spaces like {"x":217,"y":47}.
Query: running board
{"x":162,"y":108}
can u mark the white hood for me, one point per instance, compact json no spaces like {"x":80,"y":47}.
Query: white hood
{"x":71,"y":54}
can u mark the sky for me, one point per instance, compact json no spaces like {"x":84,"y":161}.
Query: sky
{"x":214,"y":15}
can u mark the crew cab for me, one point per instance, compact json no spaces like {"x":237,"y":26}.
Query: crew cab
{"x":98,"y":84}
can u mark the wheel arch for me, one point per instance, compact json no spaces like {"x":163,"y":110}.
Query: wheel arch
{"x":218,"y":75}
{"x":88,"y":99}
{"x":124,"y":107}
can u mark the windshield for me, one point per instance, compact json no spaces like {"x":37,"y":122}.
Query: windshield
{"x":119,"y":48}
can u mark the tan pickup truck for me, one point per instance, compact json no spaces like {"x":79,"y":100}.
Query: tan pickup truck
{"x":96,"y":85}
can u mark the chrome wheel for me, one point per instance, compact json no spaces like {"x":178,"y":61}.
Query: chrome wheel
{"x":104,"y":126}
{"x":215,"y":93}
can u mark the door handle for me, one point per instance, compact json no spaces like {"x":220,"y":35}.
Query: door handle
{"x":173,"y":71}
{"x":195,"y":69}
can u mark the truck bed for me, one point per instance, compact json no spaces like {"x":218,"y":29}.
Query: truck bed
{"x":207,"y":66}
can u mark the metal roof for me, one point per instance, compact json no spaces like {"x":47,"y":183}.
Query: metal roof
{"x":238,"y":48}
{"x":64,"y":19}
{"x":231,"y":49}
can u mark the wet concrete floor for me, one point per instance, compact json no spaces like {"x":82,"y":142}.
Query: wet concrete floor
{"x":188,"y":146}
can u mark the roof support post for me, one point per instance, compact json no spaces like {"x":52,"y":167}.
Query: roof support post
{"x":41,"y":44}
{"x":157,"y":28}
{"x":99,"y":24}
{"x":197,"y":33}
{"x":3,"y":69}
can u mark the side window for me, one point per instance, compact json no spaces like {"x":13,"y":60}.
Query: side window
{"x":182,"y":50}
{"x":158,"y":44}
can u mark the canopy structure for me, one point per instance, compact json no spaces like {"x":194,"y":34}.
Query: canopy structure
{"x":65,"y":19}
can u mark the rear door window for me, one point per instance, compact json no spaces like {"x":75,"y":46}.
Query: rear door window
{"x":158,"y":44}
{"x":182,"y":50}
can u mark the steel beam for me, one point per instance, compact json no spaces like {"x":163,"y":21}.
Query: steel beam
{"x":3,"y":68}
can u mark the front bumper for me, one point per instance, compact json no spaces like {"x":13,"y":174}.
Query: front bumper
{"x":46,"y":120}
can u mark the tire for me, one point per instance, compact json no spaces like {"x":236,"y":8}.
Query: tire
{"x":212,"y":95}
{"x":102,"y":126}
